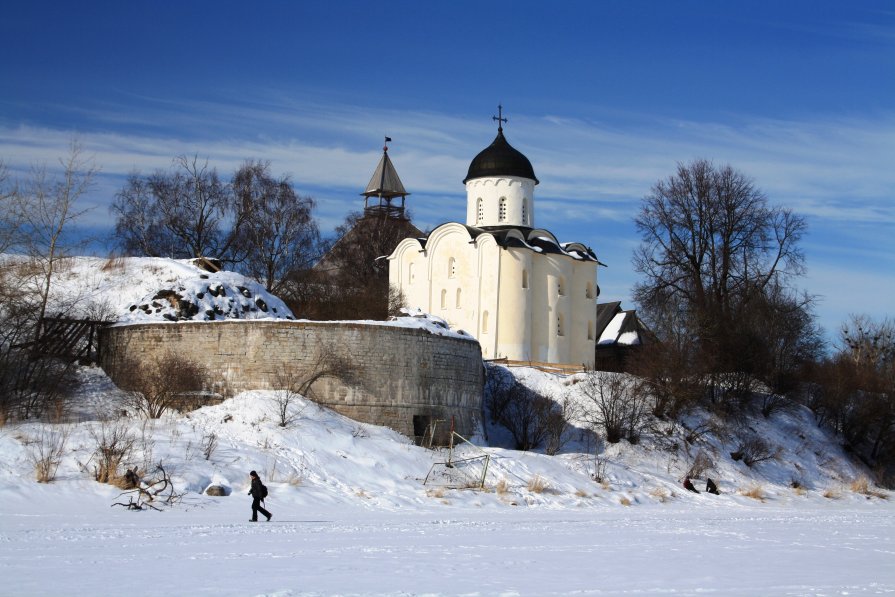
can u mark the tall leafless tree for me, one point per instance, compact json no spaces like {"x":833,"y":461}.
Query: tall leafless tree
{"x":280,"y":234}
{"x":185,"y":212}
{"x":47,"y":207}
{"x":715,"y":251}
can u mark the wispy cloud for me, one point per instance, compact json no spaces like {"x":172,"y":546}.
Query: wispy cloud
{"x":836,"y":171}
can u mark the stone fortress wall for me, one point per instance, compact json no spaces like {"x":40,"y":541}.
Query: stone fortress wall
{"x":399,"y":377}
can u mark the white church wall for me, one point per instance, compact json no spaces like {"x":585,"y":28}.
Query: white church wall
{"x":408,"y":271}
{"x":500,"y":201}
{"x":515,"y":304}
{"x":491,"y":314}
{"x":584,"y":313}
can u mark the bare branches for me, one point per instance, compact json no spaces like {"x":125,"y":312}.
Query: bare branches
{"x":532,"y":418}
{"x":613,"y":405}
{"x":162,"y":383}
{"x":294,"y":382}
{"x":151,"y":492}
{"x":279,"y":233}
{"x":710,"y":237}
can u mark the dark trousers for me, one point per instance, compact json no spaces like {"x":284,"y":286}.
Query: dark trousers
{"x":256,"y":507}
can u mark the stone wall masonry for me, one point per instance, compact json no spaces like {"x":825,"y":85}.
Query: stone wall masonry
{"x":402,"y":378}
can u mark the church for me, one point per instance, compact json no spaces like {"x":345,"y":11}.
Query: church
{"x":521,"y":292}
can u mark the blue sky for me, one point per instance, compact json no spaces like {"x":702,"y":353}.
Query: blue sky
{"x":603,"y":97}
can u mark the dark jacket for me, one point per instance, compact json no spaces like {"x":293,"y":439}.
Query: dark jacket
{"x":255,"y":492}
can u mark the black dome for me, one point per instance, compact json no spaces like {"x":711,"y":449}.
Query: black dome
{"x":500,"y":159}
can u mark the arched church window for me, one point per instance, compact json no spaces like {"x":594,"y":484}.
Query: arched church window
{"x":524,"y":212}
{"x":590,"y":330}
{"x":459,"y":298}
{"x":410,"y":274}
{"x":485,"y":322}
{"x":525,"y":278}
{"x":560,"y":325}
{"x":452,"y":268}
{"x":589,"y":292}
{"x":443,"y":298}
{"x":480,"y":211}
{"x":502,"y":210}
{"x":561,"y":286}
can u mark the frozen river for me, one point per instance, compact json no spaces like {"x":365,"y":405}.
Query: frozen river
{"x":677,"y":549}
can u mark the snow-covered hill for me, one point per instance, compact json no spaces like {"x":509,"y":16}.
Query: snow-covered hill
{"x":151,"y":289}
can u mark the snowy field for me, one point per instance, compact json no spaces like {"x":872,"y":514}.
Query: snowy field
{"x":81,"y":547}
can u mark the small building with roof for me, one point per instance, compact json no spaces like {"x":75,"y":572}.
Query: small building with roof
{"x":620,"y":334}
{"x":523,"y":293}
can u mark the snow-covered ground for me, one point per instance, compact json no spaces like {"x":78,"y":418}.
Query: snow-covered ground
{"x":71,"y":543}
{"x":353,"y":516}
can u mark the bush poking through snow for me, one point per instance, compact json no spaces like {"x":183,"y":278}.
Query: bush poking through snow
{"x":114,"y":446}
{"x":45,"y":452}
{"x":209,"y":444}
{"x":660,"y":493}
{"x":151,"y":492}
{"x":163,"y":383}
{"x":502,"y":487}
{"x":756,"y":492}
{"x":599,"y":472}
{"x":701,"y":464}
{"x":753,"y":450}
{"x":537,"y":484}
{"x":863,"y":486}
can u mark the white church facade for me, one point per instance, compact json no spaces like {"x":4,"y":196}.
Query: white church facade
{"x":523,"y":294}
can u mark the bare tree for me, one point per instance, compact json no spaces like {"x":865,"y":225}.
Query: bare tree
{"x":297,"y":381}
{"x":37,"y":223}
{"x":861,"y":389}
{"x":532,"y":418}
{"x":280,"y":235}
{"x":181,"y":213}
{"x":716,"y":252}
{"x":613,"y":405}
{"x":47,"y":207}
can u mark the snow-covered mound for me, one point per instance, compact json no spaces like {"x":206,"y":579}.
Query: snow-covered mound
{"x":207,"y":297}
{"x":151,"y":289}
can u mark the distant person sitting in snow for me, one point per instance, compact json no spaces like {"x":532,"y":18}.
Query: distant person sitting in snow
{"x":711,"y":487}
{"x":258,"y":493}
{"x":688,"y":485}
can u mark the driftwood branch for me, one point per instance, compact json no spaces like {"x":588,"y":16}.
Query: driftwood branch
{"x":157,"y":489}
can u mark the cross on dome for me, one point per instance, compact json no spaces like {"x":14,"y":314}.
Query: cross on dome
{"x":499,"y":118}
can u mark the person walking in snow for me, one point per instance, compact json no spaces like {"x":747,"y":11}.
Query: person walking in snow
{"x":688,"y":485}
{"x":711,"y":487}
{"x":258,"y":493}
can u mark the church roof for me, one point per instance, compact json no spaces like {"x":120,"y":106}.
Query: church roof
{"x":500,"y":159}
{"x":534,"y":239}
{"x":385,"y":182}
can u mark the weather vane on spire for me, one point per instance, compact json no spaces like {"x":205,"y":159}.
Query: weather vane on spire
{"x":385,"y":145}
{"x":499,"y":118}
